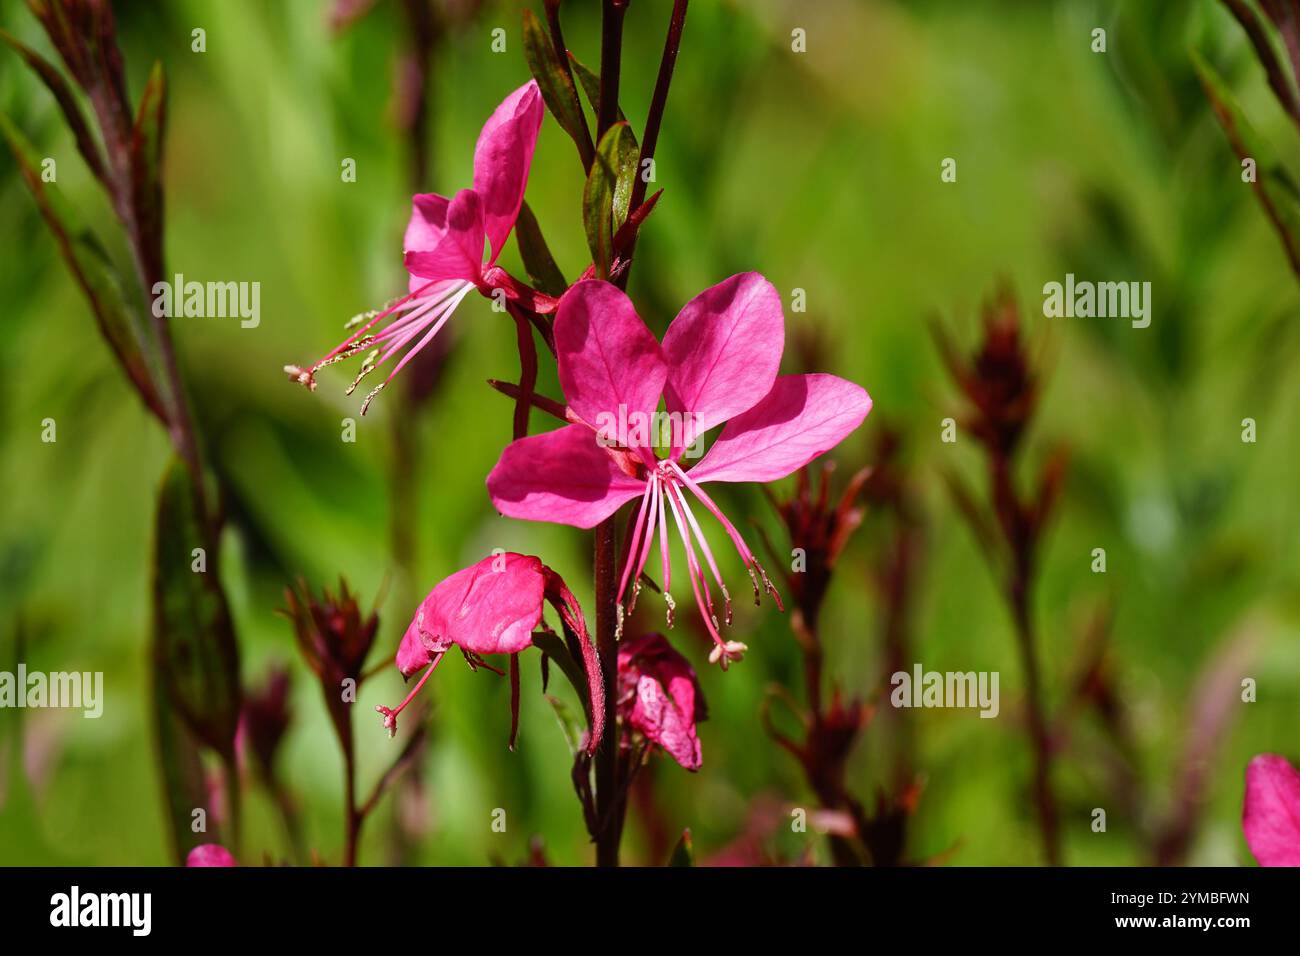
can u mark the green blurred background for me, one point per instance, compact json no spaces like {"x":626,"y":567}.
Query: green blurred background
{"x":820,"y":170}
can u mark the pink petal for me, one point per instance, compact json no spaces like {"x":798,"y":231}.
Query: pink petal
{"x":489,"y":608}
{"x":412,"y":655}
{"x":428,"y":222}
{"x":664,"y":690}
{"x":424,"y":230}
{"x":502,"y":158}
{"x":458,"y":253}
{"x":724,"y":350}
{"x":210,"y":854}
{"x":1270,"y":816}
{"x":611,"y":367}
{"x":802,"y":417}
{"x":561,"y":476}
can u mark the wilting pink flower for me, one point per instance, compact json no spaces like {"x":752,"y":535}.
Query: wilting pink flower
{"x":718,"y":364}
{"x":443,"y":247}
{"x":492,"y":607}
{"x":210,"y":854}
{"x":660,"y":697}
{"x":1270,"y":816}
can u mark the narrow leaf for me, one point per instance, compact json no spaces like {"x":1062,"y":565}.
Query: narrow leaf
{"x":538,"y":262}
{"x":607,"y":194}
{"x":556,"y":84}
{"x":571,"y":724}
{"x":590,"y":83}
{"x":1276,"y":192}
{"x":118,"y":323}
{"x":554,"y":647}
{"x":146,"y":168}
{"x":58,"y":86}
{"x":184,"y":787}
{"x":194,"y":641}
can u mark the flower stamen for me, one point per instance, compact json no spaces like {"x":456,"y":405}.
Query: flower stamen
{"x":390,"y":713}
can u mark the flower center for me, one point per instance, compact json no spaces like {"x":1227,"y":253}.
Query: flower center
{"x":665,"y":493}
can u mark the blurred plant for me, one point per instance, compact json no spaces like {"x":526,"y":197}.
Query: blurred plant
{"x":897,"y":552}
{"x":1002,"y":390}
{"x":819,"y":528}
{"x":334,"y":638}
{"x":195,"y":653}
{"x":426,"y":26}
{"x":262,"y":725}
{"x":1270,"y":25}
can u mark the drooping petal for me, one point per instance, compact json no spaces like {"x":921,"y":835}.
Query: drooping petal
{"x":502,"y":158}
{"x":611,"y":367}
{"x":802,"y":417}
{"x":210,"y":854}
{"x":488,"y":608}
{"x":561,"y":476}
{"x":458,"y":252}
{"x":723,"y":351}
{"x":412,"y":655}
{"x":570,"y":611}
{"x":660,"y":696}
{"x":1270,"y":815}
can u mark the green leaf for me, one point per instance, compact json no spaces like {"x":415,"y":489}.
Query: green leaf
{"x":558,"y":91}
{"x":1275,"y":188}
{"x":608,"y":192}
{"x":591,"y":86}
{"x":119,"y":323}
{"x":570,"y":723}
{"x":684,"y":852}
{"x":57,"y":85}
{"x":195,"y":652}
{"x":184,"y":787}
{"x":551,"y":644}
{"x":540,"y":265}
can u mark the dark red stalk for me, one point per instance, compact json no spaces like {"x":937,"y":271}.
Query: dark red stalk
{"x":541,"y":402}
{"x":1019,"y":587}
{"x":606,"y":533}
{"x":606,"y":581}
{"x":352,"y":819}
{"x":527,"y":371}
{"x":659,"y":101}
{"x":1002,"y":390}
{"x":611,"y":51}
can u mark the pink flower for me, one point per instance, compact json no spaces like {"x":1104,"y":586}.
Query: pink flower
{"x":660,"y":697}
{"x":492,"y":607}
{"x":443,"y":247}
{"x":1270,"y":816}
{"x":210,"y":854}
{"x":717,"y":366}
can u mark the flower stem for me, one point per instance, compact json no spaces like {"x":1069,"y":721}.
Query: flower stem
{"x":607,"y":838}
{"x":659,"y":101}
{"x":1019,"y":586}
{"x":611,"y":50}
{"x":351,"y":818}
{"x":1044,"y":798}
